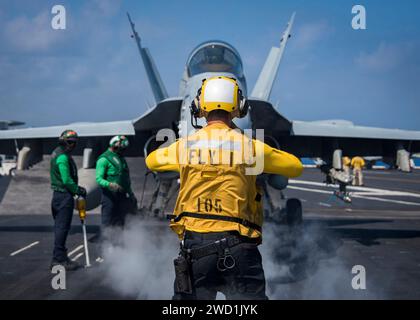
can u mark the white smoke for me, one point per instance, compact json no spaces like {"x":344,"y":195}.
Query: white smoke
{"x":138,"y":260}
{"x":300,"y":263}
{"x":306,"y":263}
{"x":294,"y":263}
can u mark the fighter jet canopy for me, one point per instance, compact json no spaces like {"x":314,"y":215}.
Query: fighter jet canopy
{"x":215,"y":56}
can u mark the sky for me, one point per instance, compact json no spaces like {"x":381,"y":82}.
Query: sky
{"x":92,"y":71}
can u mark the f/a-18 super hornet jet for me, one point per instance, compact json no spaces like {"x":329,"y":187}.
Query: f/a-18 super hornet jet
{"x":327,"y":139}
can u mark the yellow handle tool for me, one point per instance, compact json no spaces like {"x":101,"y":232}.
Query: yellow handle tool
{"x":81,"y":207}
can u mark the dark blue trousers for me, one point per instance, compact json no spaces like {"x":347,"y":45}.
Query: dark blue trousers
{"x":115,"y":207}
{"x":62,"y":206}
{"x":245,"y":281}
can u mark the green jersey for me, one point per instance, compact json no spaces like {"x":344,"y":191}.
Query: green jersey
{"x":112,"y":167}
{"x":63,"y":172}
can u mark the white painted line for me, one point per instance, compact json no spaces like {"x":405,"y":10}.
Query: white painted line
{"x":25,"y":248}
{"x":357,"y":196}
{"x":311,"y":183}
{"x":324,"y":204}
{"x":75,"y":250}
{"x":310,"y":190}
{"x":78,"y":256}
{"x":387,"y":200}
{"x":363,"y":189}
{"x":388,"y":193}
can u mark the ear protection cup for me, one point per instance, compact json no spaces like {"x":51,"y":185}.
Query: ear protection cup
{"x":119,"y":141}
{"x":124,"y":142}
{"x":244,"y":109}
{"x":195,"y":105}
{"x":243,"y":104}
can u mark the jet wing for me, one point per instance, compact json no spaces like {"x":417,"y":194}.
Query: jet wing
{"x":86,"y":129}
{"x":321,"y":138}
{"x":265,"y":116}
{"x":44,"y":139}
{"x":345,"y":129}
{"x":96,"y":134}
{"x":164,"y":115}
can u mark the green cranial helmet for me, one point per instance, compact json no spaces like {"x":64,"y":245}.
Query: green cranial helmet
{"x":119,"y":141}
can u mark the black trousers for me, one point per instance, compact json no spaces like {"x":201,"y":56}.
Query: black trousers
{"x":62,"y":206}
{"x":245,"y":280}
{"x":115,"y":207}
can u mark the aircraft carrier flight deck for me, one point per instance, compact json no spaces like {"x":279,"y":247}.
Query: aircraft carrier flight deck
{"x":378,"y":232}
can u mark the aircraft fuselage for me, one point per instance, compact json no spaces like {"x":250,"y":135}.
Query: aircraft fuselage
{"x":209,"y":59}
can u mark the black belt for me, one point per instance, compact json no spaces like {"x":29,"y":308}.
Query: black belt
{"x":222,"y":242}
{"x":213,"y":236}
{"x":243,"y":222}
{"x":218,"y":247}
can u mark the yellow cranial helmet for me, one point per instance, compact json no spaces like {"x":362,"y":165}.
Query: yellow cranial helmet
{"x":219,"y":93}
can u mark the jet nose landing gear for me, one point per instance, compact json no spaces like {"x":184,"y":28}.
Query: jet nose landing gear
{"x":287,"y":212}
{"x":294,"y":212}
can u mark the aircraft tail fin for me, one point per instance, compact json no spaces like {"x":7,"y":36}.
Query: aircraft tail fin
{"x":155,"y":81}
{"x":264,"y":84}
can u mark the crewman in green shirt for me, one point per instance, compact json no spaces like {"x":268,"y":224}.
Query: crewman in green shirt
{"x":113,"y":176}
{"x":64,"y":183}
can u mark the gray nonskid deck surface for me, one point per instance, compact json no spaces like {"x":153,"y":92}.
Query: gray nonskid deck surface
{"x":381,"y":233}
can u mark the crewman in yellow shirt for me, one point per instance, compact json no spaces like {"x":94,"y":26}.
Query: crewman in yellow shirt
{"x":346,"y":165}
{"x":218,"y":215}
{"x":357,"y":164}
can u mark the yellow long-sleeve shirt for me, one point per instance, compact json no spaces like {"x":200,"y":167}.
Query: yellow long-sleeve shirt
{"x":346,"y":161}
{"x":275,"y":161}
{"x":357,"y":162}
{"x":218,"y":168}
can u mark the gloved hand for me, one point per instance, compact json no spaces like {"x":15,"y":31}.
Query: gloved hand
{"x":115,"y":187}
{"x":81,"y":191}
